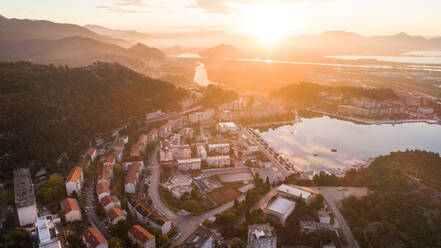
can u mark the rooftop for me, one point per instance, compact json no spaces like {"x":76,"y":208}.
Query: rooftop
{"x":45,"y":229}
{"x":74,"y":175}
{"x":69,"y":204}
{"x":198,"y":238}
{"x":139,"y":233}
{"x":23,"y":188}
{"x":260,"y":231}
{"x":93,"y":237}
{"x":115,"y":213}
{"x":294,"y":191}
{"x":282,"y":205}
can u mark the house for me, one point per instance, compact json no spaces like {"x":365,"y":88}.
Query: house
{"x":218,"y":161}
{"x":281,"y":208}
{"x":118,"y":155}
{"x":109,"y":202}
{"x":201,"y":151}
{"x":132,"y":178}
{"x":146,"y":215}
{"x":124,"y":139}
{"x":152,"y":135}
{"x":108,"y":168}
{"x":165,"y":130}
{"x":93,"y":238}
{"x":110,"y":159}
{"x":104,"y":177}
{"x":176,"y":139}
{"x":114,"y":215}
{"x":201,"y":238}
{"x":91,"y":153}
{"x":102,"y":190}
{"x":219,"y":148}
{"x":261,"y":236}
{"x":223,"y":127}
{"x":141,"y":237}
{"x":142,"y":142}
{"x":47,"y":234}
{"x":119,"y":146}
{"x":71,"y":209}
{"x":24,"y":197}
{"x":135,"y":152}
{"x":165,"y":154}
{"x":189,"y":164}
{"x":74,"y":181}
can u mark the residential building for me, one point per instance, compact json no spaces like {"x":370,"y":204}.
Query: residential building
{"x":165,"y":130}
{"x":47,"y":234}
{"x":24,"y":197}
{"x":178,"y":123}
{"x":223,"y":127}
{"x":104,"y":177}
{"x":71,"y":210}
{"x":108,"y":168}
{"x":152,"y":135}
{"x":218,"y":161}
{"x":189,"y":164}
{"x":131,"y":179}
{"x":324,"y":217}
{"x":91,"y":153}
{"x":119,"y":146}
{"x":201,"y":238}
{"x":201,"y":116}
{"x":118,"y":155}
{"x":261,"y":236}
{"x":295,"y":192}
{"x":135,"y":152}
{"x":312,"y":226}
{"x":166,"y":152}
{"x":181,"y":151}
{"x":201,"y":151}
{"x":115,"y":215}
{"x":110,"y":159}
{"x":102,"y":190}
{"x":74,"y":181}
{"x":219,"y":148}
{"x":93,"y":238}
{"x":281,"y":208}
{"x":109,"y":202}
{"x":142,"y":142}
{"x":187,"y":133}
{"x":146,"y":215}
{"x":83,"y":163}
{"x":234,"y":105}
{"x":141,"y":237}
{"x":124,"y":139}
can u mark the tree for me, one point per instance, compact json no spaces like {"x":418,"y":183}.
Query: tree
{"x":115,"y":242}
{"x":52,"y":190}
{"x":192,"y":206}
{"x":237,"y":243}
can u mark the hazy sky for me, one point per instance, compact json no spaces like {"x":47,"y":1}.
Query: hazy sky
{"x":367,"y":17}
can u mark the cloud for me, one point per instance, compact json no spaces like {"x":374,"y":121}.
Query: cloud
{"x":224,"y":7}
{"x":116,"y":9}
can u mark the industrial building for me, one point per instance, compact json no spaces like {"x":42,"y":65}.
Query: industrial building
{"x":281,"y":208}
{"x":24,"y":197}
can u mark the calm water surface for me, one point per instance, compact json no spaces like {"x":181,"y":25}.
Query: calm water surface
{"x":355,"y":143}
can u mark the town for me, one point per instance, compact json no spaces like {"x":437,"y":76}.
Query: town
{"x":175,"y":179}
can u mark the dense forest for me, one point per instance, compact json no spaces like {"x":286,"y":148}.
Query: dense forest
{"x":47,"y":110}
{"x":215,"y":95}
{"x":306,"y":93}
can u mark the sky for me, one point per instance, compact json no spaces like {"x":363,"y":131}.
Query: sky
{"x":366,"y":17}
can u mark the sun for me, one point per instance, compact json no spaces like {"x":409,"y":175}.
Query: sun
{"x":268,"y":22}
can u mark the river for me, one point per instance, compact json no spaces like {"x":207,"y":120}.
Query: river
{"x":308,"y":143}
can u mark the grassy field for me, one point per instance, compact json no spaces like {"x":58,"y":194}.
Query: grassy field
{"x":224,"y":195}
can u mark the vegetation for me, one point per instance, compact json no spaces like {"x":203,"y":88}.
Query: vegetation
{"x":48,"y":110}
{"x":215,"y":95}
{"x":14,"y":238}
{"x":52,"y":191}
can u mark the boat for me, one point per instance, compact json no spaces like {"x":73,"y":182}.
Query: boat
{"x":333,"y":150}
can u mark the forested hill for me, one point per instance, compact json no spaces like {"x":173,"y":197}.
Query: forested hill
{"x":46,"y":110}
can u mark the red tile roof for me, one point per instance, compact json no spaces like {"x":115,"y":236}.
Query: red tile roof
{"x":133,"y":171}
{"x":110,"y":159}
{"x":134,"y":151}
{"x":120,"y":144}
{"x":115,"y":213}
{"x":139,"y":233}
{"x":102,"y":187}
{"x":142,"y":139}
{"x":104,"y":175}
{"x":91,"y":151}
{"x":93,"y":237}
{"x":152,"y":132}
{"x":108,"y":167}
{"x":69,"y":204}
{"x":74,"y":175}
{"x":108,"y":200}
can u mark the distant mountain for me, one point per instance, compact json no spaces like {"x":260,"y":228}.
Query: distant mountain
{"x":130,"y":35}
{"x":142,"y":51}
{"x":24,"y":29}
{"x":221,"y":51}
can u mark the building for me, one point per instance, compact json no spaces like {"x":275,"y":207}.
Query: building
{"x":93,"y":238}
{"x":141,"y":237}
{"x":178,"y":122}
{"x":165,"y":154}
{"x":218,"y":161}
{"x":223,"y":127}
{"x":114,"y":215}
{"x":104,"y":177}
{"x":102,"y":190}
{"x":118,"y":155}
{"x":201,"y":238}
{"x":109,"y":202}
{"x":119,"y":146}
{"x":71,"y":210}
{"x":165,"y":130}
{"x":47,"y":234}
{"x":234,"y":105}
{"x":181,"y":151}
{"x":178,"y":185}
{"x":146,"y":215}
{"x":324,"y":217}
{"x":187,"y":133}
{"x":124,"y":139}
{"x":74,"y":181}
{"x":135,"y":153}
{"x":281,"y":208}
{"x":261,"y":236}
{"x":108,"y":168}
{"x":189,"y":164}
{"x":294,"y":192}
{"x":201,"y":151}
{"x":24,"y":197}
{"x":110,"y":159}
{"x":219,"y":148}
{"x":176,"y":139}
{"x":131,"y":179}
{"x":201,"y":116}
{"x":91,"y":153}
{"x":312,"y":226}
{"x":142,"y":141}
{"x":152,"y":135}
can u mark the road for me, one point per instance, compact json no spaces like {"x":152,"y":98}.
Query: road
{"x":93,"y":218}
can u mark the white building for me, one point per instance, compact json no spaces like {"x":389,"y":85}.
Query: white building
{"x":102,"y":190}
{"x":109,"y":202}
{"x":138,"y":235}
{"x":218,"y":161}
{"x":223,"y":127}
{"x":261,"y":236}
{"x":93,"y":238}
{"x":74,"y":181}
{"x":201,"y":116}
{"x":24,"y":197}
{"x":292,"y":191}
{"x":146,"y":215}
{"x":47,"y":234}
{"x":281,"y":208}
{"x":219,"y":148}
{"x":131,"y":179}
{"x":201,"y":151}
{"x":71,"y":210}
{"x":189,"y":164}
{"x":324,"y":217}
{"x":201,"y":238}
{"x":115,"y":215}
